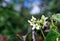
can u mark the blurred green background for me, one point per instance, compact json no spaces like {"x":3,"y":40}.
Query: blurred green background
{"x":14,"y":15}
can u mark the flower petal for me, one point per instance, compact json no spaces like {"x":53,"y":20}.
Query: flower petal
{"x":38,"y":28}
{"x":33,"y":27}
{"x":29,"y":21}
{"x":33,"y":18}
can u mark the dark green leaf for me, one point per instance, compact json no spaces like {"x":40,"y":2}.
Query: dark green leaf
{"x":52,"y":35}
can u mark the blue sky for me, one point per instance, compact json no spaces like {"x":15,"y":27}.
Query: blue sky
{"x":17,"y":1}
{"x":26,"y":3}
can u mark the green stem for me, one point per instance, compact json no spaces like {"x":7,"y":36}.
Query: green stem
{"x":52,"y":22}
{"x":42,"y":33}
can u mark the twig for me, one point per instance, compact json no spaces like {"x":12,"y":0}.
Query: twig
{"x":42,"y":33}
{"x":33,"y":35}
{"x":25,"y":36}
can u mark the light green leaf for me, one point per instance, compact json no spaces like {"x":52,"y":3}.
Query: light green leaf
{"x":56,"y":17}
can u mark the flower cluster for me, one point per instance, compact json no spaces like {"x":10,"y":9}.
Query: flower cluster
{"x":38,"y":23}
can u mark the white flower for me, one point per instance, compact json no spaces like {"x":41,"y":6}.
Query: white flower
{"x":36,"y":26}
{"x":33,"y":27}
{"x":45,"y":23}
{"x":41,"y":21}
{"x":32,"y":21}
{"x":33,"y":18}
{"x":38,"y":21}
{"x":44,"y":18}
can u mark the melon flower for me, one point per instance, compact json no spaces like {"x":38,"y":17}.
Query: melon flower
{"x":43,"y":20}
{"x":32,"y":21}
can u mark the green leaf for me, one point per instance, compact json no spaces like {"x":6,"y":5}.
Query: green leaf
{"x":52,"y":35}
{"x":54,"y":27}
{"x":56,"y":17}
{"x":2,"y":20}
{"x":7,"y":32}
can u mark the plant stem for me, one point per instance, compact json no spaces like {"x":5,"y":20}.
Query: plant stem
{"x":24,"y":38}
{"x":52,"y":22}
{"x":33,"y":35}
{"x":42,"y":33}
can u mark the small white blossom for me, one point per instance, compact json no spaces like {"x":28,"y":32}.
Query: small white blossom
{"x":44,"y":18}
{"x":36,"y":26}
{"x":45,"y":23}
{"x":32,"y":21}
{"x":33,"y":18}
{"x":41,"y":21}
{"x":38,"y":21}
{"x":33,"y":27}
